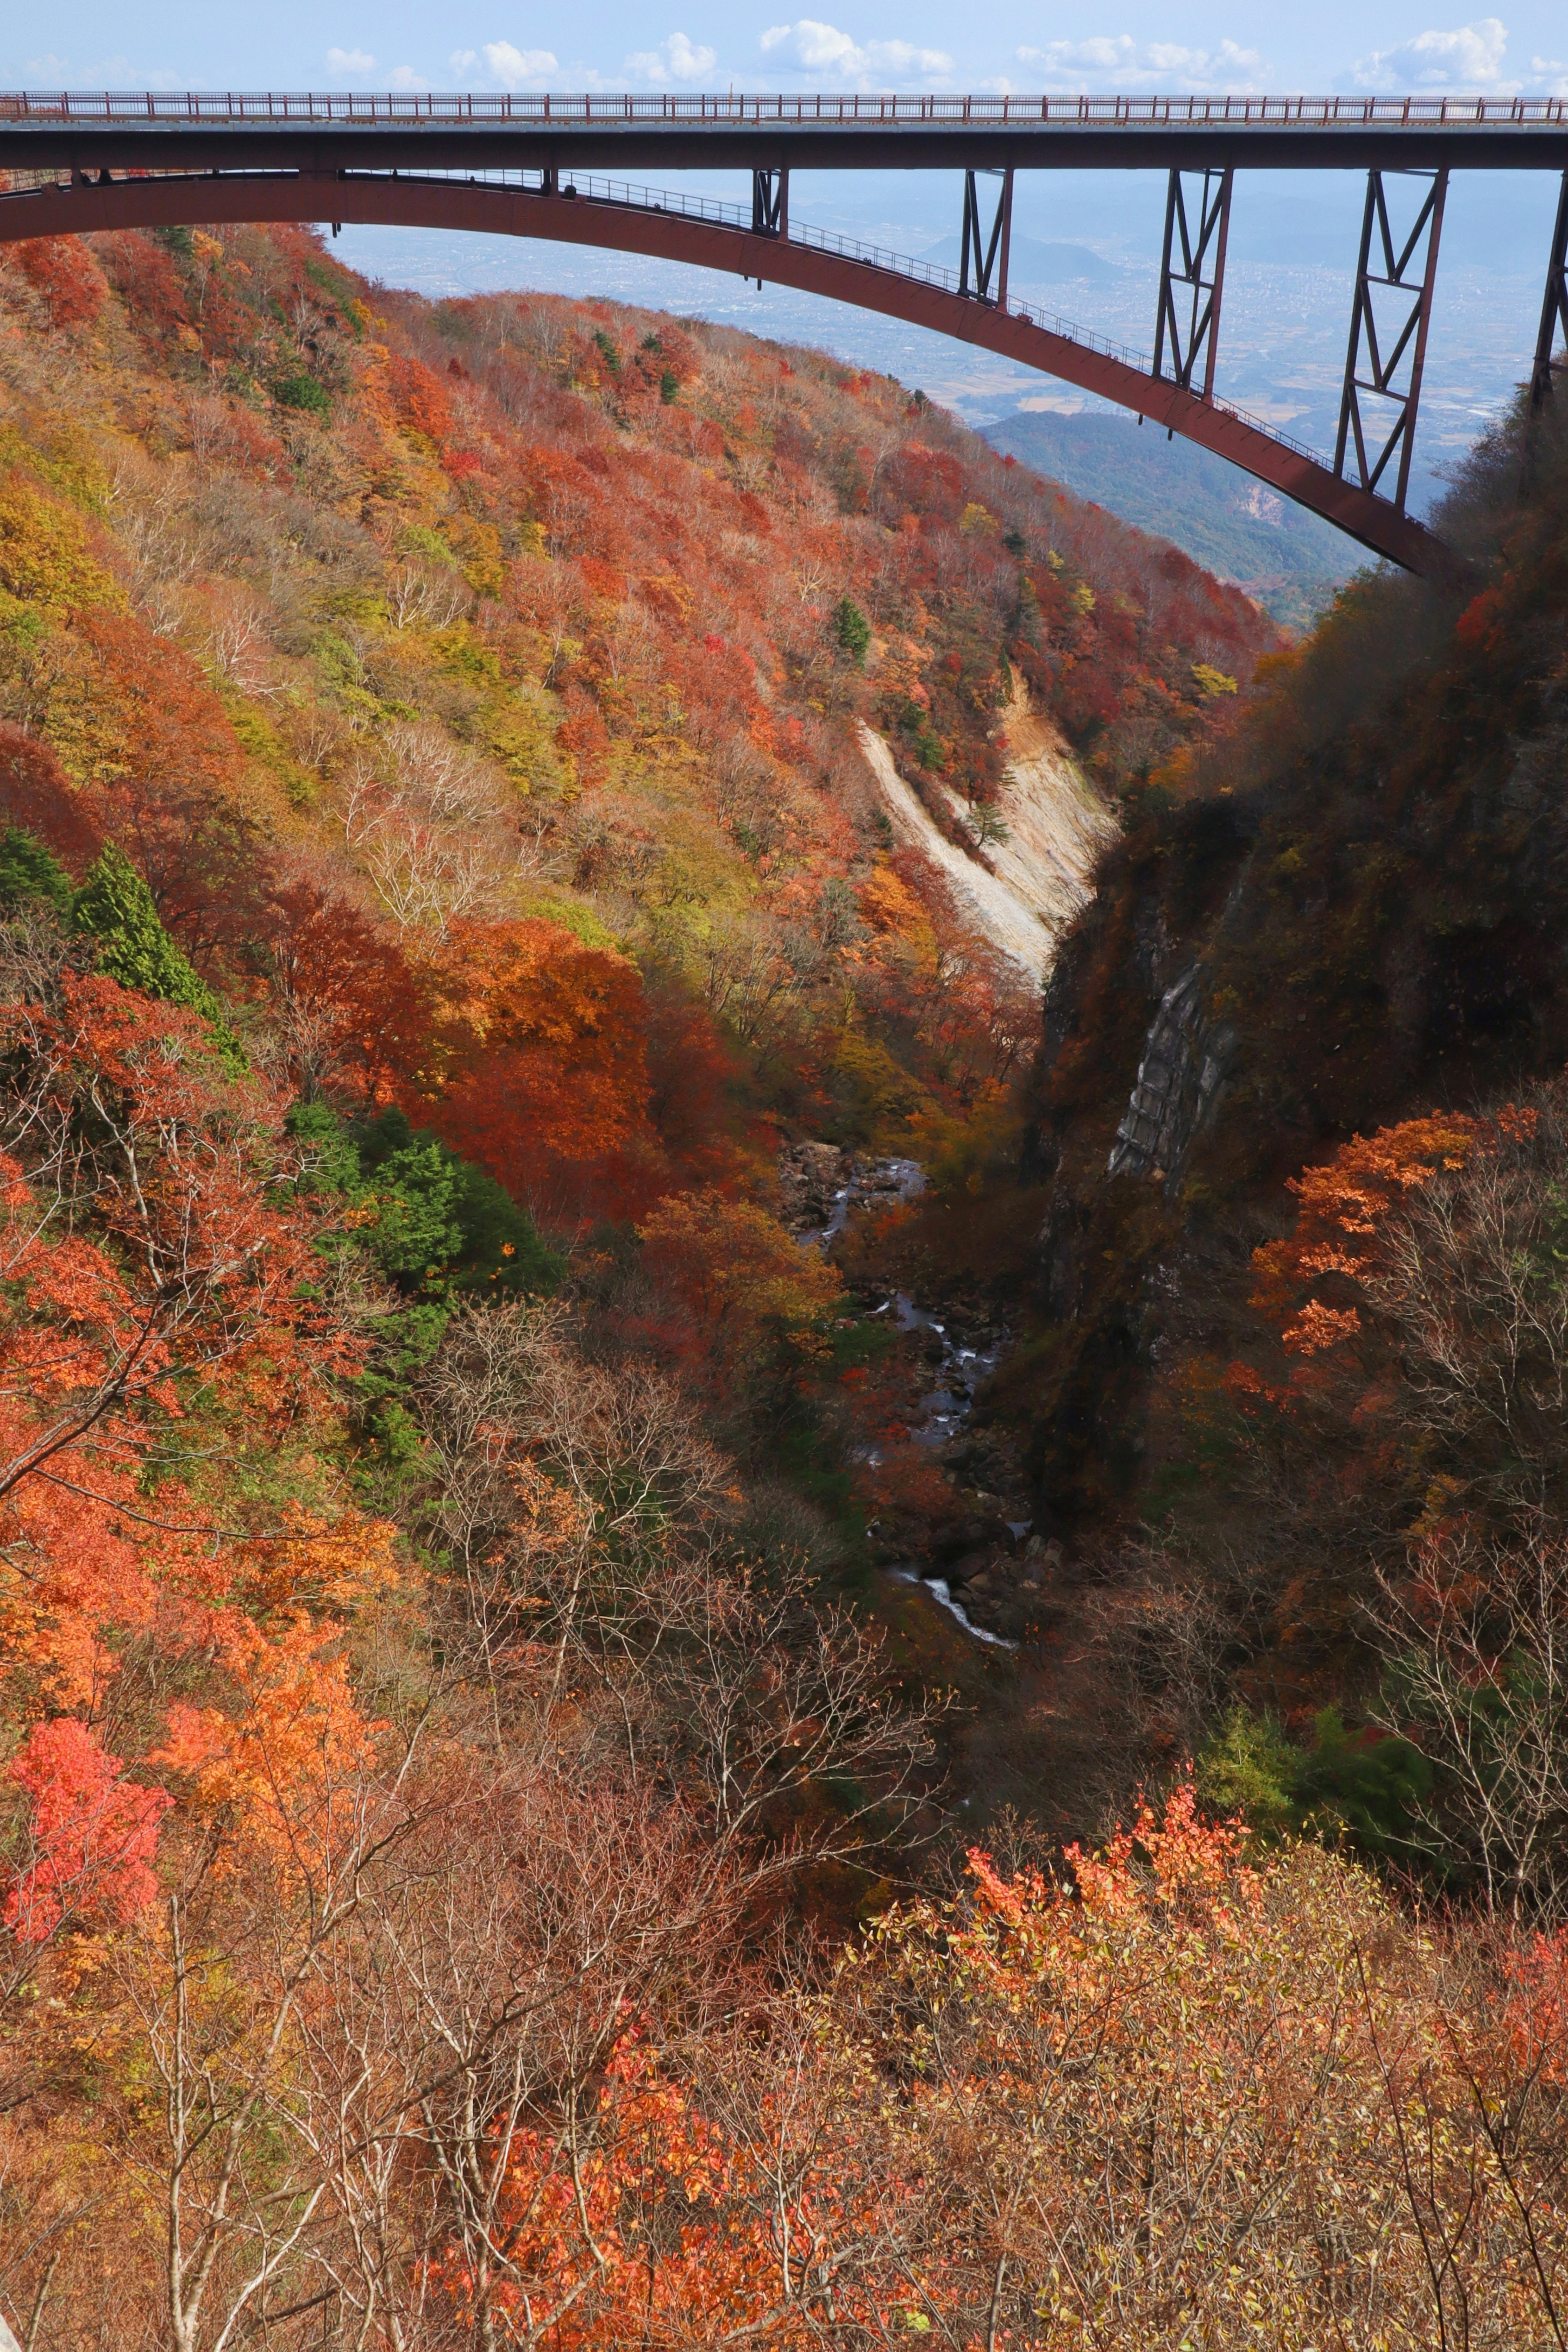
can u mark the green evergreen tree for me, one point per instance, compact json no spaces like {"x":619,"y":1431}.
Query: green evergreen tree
{"x":115,"y":906}
{"x":852,"y":629}
{"x":29,"y":870}
{"x":440,"y":1230}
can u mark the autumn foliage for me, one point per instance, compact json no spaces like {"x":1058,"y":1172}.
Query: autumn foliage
{"x":473,"y":1870}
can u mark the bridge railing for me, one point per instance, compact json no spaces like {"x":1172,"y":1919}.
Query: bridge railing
{"x":535,"y":108}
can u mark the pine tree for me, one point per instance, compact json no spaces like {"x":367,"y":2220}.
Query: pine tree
{"x":29,"y":870}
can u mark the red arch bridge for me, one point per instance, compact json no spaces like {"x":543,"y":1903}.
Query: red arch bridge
{"x":538,"y":164}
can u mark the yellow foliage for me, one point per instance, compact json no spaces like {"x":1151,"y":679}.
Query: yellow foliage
{"x":478,"y":549}
{"x":885,"y":1095}
{"x":43,"y":555}
{"x":888,"y":905}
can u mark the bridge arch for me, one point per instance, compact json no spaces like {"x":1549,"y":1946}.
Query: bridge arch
{"x":673,"y":228}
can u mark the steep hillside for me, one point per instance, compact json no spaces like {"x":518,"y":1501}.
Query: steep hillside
{"x":522,"y":611}
{"x":485,"y":1860}
{"x":1287,"y":559}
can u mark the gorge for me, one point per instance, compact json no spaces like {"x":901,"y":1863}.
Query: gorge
{"x":652,"y":999}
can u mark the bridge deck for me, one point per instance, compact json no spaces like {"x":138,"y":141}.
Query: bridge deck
{"x":847,"y":131}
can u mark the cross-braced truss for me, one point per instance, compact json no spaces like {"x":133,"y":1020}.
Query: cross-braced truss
{"x":770,"y":202}
{"x":1372,"y":371}
{"x":984,"y":255}
{"x":1192,"y":279}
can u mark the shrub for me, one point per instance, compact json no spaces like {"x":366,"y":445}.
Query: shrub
{"x":303,"y":392}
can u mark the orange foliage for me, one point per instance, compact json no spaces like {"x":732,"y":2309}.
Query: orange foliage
{"x":419,"y":399}
{"x":93,"y":1833}
{"x":1343,"y":1205}
{"x":354,"y":1015}
{"x":153,"y":715}
{"x":669,"y":2231}
{"x":549,"y":1085}
{"x":287,"y":1761}
{"x":201,"y":1285}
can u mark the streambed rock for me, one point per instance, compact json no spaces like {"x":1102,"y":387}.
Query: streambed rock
{"x":811,"y":1177}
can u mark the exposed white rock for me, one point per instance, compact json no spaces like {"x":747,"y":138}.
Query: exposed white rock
{"x":1044,"y":872}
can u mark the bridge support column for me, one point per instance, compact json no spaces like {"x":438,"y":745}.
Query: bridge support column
{"x":986,"y":255}
{"x":1554,"y":306}
{"x":1412,"y":336}
{"x":1195,"y":264}
{"x":770,"y":202}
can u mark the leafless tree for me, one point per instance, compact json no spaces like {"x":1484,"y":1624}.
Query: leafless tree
{"x":1470,"y":1285}
{"x":1475,"y":1644}
{"x":221,"y":1981}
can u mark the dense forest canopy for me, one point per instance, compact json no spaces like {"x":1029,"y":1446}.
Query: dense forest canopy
{"x":485,"y":1857}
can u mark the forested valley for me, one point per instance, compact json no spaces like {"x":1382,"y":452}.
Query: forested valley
{"x":784,"y":1362}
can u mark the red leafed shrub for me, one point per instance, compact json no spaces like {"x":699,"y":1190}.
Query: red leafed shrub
{"x":93,"y":1837}
{"x":549,"y":1088}
{"x":355,"y":1016}
{"x":36,"y":795}
{"x":144,"y":278}
{"x":64,"y":272}
{"x":603,"y":580}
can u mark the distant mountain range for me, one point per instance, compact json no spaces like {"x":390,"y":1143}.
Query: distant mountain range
{"x":1288,"y":561}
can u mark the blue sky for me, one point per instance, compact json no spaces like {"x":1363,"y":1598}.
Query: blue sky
{"x":486,"y":44}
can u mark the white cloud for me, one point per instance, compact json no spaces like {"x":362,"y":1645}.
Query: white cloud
{"x":1116,"y":61}
{"x":54,"y":68}
{"x":834,"y":56}
{"x":119,"y":73}
{"x":405,"y":78}
{"x":516,"y":68}
{"x":350,"y":61}
{"x":1471,"y":58}
{"x":676,"y":59}
{"x":1553,"y":73}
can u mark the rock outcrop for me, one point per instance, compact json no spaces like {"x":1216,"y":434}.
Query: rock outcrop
{"x":1187,"y":1057}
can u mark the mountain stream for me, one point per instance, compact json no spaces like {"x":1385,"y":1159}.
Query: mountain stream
{"x":943,"y":1409}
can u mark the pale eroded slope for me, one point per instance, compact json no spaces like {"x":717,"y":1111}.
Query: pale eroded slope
{"x":1044,"y":872}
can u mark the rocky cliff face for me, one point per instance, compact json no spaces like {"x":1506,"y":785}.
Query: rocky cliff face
{"x":1187,"y":1057}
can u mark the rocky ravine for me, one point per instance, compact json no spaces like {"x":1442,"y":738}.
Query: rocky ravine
{"x":982,"y":1560}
